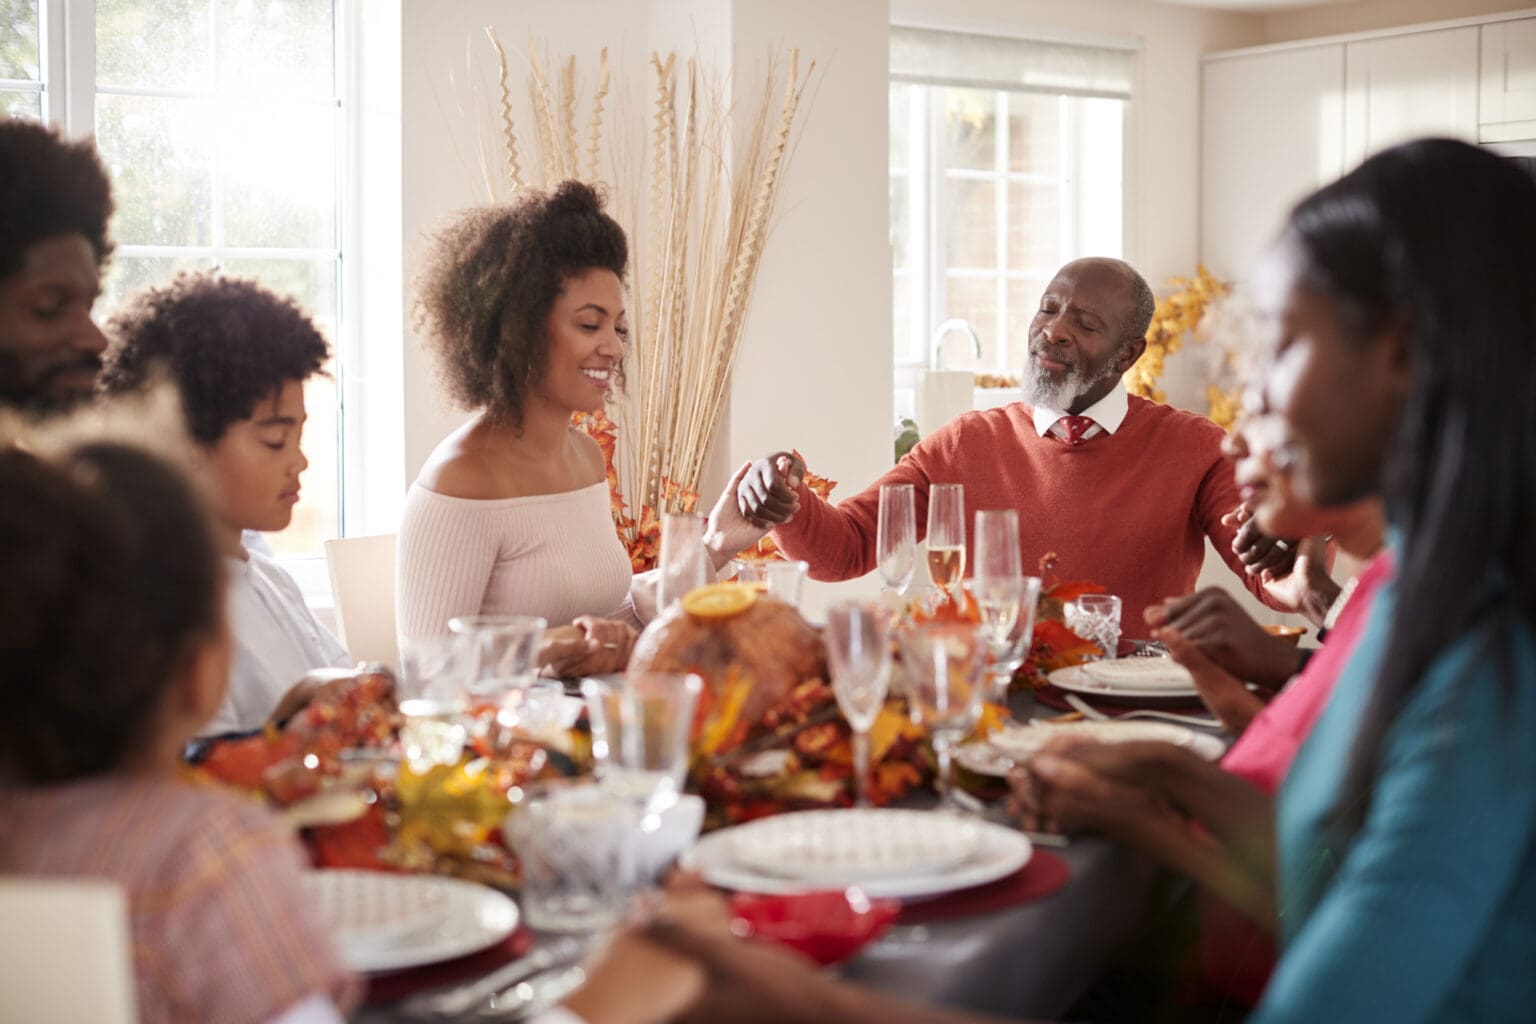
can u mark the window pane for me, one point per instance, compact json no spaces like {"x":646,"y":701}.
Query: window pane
{"x":160,"y":44}
{"x":901,"y":116}
{"x":158,"y":153}
{"x":129,"y":274}
{"x":970,"y":129}
{"x":969,"y":224}
{"x":1023,"y":301}
{"x":310,"y":283}
{"x":1034,"y":134}
{"x":1034,"y":227}
{"x":279,"y":48}
{"x":901,"y":222}
{"x":278,"y":165}
{"x":973,"y":299}
{"x":28,"y":105}
{"x":906,"y":330}
{"x":18,"y":39}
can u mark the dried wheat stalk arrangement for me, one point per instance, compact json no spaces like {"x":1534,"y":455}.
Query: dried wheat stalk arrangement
{"x":696,"y":193}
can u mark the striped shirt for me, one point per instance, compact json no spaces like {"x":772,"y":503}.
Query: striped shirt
{"x":220,"y":933}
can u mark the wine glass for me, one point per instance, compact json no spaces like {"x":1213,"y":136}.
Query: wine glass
{"x":943,"y":663}
{"x":859,"y":654}
{"x":946,"y":536}
{"x":683,"y":562}
{"x":897,"y":536}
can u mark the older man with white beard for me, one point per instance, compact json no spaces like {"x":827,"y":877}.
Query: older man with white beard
{"x":1122,"y":491}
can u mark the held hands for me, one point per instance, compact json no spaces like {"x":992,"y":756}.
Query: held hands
{"x":1211,"y":622}
{"x":1222,"y":692}
{"x":1259,"y":552}
{"x":1075,"y":784}
{"x":768,"y":492}
{"x":730,"y":530}
{"x":588,"y":646}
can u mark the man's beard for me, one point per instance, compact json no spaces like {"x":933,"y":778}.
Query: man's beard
{"x":1061,"y":392}
{"x":34,"y":393}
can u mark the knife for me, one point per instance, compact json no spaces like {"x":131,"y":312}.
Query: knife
{"x":461,"y":1000}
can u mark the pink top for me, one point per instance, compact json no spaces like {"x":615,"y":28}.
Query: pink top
{"x":1263,"y":753}
{"x":1236,"y":957}
{"x":217,"y":917}
{"x":551,"y":555}
{"x":1129,"y":510}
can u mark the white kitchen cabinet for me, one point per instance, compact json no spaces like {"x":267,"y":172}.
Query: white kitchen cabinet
{"x":1273,"y":131}
{"x":1404,"y":86}
{"x":1507,"y":109}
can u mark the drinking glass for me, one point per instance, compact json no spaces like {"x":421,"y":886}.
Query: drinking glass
{"x":859,"y":655}
{"x":946,"y":536}
{"x":571,"y":843}
{"x":896,"y":537}
{"x":749,"y":572}
{"x":1096,"y":618}
{"x":997,"y":544}
{"x":684,"y":564}
{"x":943,"y":665}
{"x":500,"y":652}
{"x":640,"y":732}
{"x":1007,"y":609}
{"x":784,"y":580}
{"x":431,"y":691}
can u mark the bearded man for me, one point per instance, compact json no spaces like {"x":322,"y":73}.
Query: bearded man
{"x":1121,"y":490}
{"x":55,"y":202}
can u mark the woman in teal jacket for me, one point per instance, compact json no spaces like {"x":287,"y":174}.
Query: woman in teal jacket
{"x":1404,"y":297}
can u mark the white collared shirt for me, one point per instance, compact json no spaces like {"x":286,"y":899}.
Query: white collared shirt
{"x":277,"y":640}
{"x":1107,"y":415}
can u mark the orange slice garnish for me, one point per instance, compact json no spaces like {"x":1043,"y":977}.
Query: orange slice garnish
{"x":719,"y":600}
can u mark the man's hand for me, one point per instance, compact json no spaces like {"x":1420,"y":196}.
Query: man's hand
{"x":1307,"y":588}
{"x":768,"y":491}
{"x":1211,"y":620}
{"x":729,"y":530}
{"x":1063,"y":789}
{"x":1259,"y":552}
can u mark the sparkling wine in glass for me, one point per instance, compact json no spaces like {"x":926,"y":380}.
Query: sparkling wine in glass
{"x":946,"y":536}
{"x":859,"y":654}
{"x":943,"y":665}
{"x":897,"y":536}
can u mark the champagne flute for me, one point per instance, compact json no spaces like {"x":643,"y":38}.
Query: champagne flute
{"x":897,"y":536}
{"x":859,"y":654}
{"x":943,"y":662}
{"x":998,"y":587}
{"x":683,"y":563}
{"x":946,"y":536}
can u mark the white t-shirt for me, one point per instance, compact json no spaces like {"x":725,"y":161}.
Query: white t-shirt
{"x":277,"y":640}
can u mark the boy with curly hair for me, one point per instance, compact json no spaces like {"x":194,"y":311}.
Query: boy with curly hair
{"x":239,"y":355}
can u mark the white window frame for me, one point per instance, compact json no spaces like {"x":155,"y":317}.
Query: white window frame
{"x":68,"y":83}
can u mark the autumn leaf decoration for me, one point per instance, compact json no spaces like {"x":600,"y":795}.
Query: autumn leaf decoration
{"x":1176,"y":316}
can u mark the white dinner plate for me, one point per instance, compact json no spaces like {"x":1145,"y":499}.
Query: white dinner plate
{"x":995,"y":852}
{"x":1139,"y":673}
{"x":1075,"y":680}
{"x":840,"y":847}
{"x":383,"y":922}
{"x":1020,"y":742}
{"x":982,"y":758}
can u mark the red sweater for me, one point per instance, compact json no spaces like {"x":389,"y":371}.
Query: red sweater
{"x":1128,"y":510}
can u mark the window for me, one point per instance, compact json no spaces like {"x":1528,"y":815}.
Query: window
{"x":220,"y":123}
{"x":1006,"y":161}
{"x":21,"y":59}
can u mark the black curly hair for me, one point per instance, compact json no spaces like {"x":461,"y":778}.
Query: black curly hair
{"x":489,"y":280}
{"x":112,"y":577}
{"x":49,"y":187}
{"x":226,"y":342}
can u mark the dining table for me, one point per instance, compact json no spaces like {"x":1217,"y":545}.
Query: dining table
{"x":1027,"y":960}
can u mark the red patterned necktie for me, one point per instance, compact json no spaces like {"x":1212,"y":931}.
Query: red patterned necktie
{"x":1076,"y":427}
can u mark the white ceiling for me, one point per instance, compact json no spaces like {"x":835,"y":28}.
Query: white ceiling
{"x":1257,"y":5}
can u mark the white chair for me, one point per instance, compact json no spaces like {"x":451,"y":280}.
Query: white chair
{"x":363,"y":584}
{"x":65,"y":952}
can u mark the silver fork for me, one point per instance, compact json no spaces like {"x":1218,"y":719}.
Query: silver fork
{"x":1092,"y":713}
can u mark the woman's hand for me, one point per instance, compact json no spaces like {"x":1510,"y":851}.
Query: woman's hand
{"x":769,"y":490}
{"x":1075,"y":784}
{"x":730,"y":531}
{"x":1213,"y":621}
{"x":1222,"y":692}
{"x":588,"y":646}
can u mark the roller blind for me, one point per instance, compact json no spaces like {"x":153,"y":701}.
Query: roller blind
{"x":967,"y":60}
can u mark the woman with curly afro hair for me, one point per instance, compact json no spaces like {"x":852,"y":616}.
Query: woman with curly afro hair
{"x":239,"y":356}
{"x":523,"y":306}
